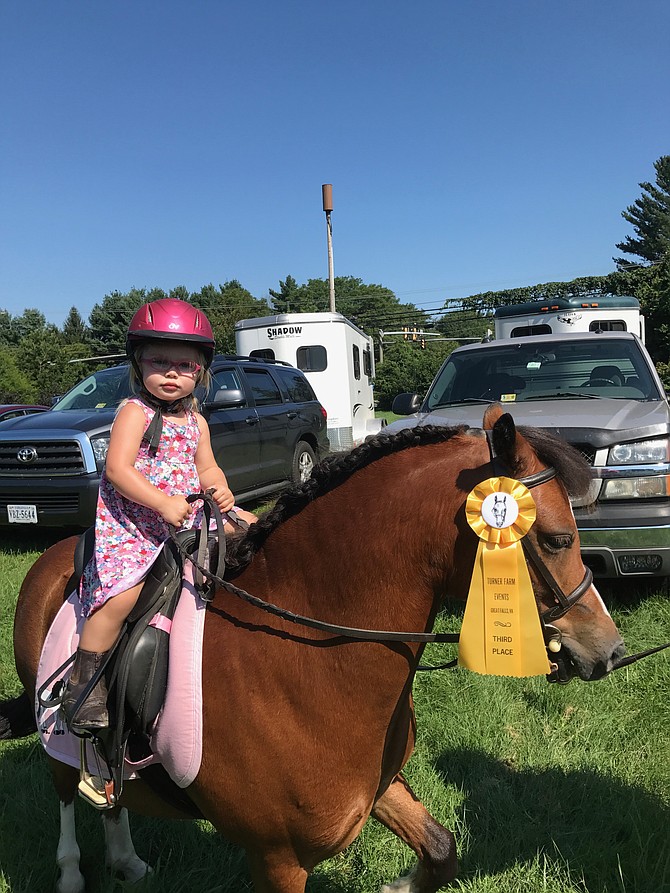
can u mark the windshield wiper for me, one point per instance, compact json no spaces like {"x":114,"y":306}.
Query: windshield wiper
{"x":551,"y":394}
{"x":458,"y":402}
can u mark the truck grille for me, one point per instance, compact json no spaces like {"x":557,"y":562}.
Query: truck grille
{"x":46,"y":505}
{"x":587,"y":451}
{"x":52,"y":458}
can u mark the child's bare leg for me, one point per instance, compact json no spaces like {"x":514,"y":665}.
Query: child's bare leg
{"x":103,"y":626}
{"x":100,"y":631}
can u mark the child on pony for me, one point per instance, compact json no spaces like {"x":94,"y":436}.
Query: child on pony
{"x":159,"y":452}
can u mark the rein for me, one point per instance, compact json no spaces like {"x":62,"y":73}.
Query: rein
{"x":349,"y":632}
{"x":563,"y":602}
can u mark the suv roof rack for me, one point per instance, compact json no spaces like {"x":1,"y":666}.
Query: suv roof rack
{"x":238,"y":358}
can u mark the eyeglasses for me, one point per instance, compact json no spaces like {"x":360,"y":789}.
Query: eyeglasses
{"x":163,"y":365}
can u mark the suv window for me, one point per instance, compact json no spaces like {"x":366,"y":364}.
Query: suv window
{"x":298,"y":388}
{"x":226,"y":380}
{"x":263,"y":386}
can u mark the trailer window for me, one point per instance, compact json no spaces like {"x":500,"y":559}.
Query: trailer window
{"x":367,"y":363}
{"x":607,"y":325}
{"x":522,"y":331}
{"x":357,"y":362}
{"x":311,"y":359}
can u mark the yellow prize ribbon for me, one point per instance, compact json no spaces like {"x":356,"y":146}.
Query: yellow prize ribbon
{"x":501,"y":632}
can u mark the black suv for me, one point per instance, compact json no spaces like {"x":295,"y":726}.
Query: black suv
{"x":267,"y":427}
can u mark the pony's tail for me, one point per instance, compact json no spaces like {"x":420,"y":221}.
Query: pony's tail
{"x":17,"y":718}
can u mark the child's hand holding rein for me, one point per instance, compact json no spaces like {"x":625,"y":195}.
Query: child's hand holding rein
{"x":175,"y":510}
{"x":223,"y":497}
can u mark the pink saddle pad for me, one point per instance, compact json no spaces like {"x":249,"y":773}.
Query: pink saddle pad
{"x":177,"y":735}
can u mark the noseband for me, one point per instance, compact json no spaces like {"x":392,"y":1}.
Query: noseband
{"x":563,"y":602}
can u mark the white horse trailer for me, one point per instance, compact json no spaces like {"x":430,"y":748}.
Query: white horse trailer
{"x":563,"y":316}
{"x":337,"y":359}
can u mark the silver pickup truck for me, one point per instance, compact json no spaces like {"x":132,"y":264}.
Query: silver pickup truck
{"x":598,"y":391}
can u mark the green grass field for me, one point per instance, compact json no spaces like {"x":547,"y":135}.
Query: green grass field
{"x":548,"y":789}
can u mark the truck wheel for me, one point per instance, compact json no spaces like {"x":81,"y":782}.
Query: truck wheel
{"x":304,"y":461}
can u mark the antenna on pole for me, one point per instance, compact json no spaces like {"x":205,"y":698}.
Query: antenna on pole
{"x":327,"y":195}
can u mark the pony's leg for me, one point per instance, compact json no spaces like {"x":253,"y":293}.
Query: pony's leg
{"x":276,"y":873}
{"x":120,"y":852}
{"x":400,"y":810}
{"x":71,"y":880}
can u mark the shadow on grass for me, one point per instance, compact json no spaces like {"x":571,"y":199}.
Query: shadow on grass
{"x":610,"y":834}
{"x":185,"y":855}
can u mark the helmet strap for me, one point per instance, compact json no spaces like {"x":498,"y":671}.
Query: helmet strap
{"x":154,"y":430}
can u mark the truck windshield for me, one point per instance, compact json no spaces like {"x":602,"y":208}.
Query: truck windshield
{"x":608,"y":368}
{"x":102,"y":390}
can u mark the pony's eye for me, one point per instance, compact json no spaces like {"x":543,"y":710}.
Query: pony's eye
{"x":558,"y":541}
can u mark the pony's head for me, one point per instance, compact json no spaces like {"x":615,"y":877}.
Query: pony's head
{"x":580,"y":634}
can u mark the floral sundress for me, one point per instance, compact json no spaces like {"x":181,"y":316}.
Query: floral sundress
{"x":128,"y":536}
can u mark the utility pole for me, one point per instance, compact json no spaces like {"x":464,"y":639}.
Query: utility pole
{"x":327,"y":195}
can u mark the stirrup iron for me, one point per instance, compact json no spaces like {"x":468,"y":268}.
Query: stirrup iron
{"x":95,"y":789}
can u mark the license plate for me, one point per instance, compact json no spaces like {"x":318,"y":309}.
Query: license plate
{"x":22,"y":514}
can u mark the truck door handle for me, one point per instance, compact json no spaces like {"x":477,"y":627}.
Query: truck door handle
{"x":291,"y":415}
{"x":251,"y":420}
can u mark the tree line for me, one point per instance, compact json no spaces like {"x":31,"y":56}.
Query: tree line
{"x":39,"y":361}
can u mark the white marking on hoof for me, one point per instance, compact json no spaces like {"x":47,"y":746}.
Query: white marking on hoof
{"x":406,"y":884}
{"x":120,"y":852}
{"x":71,"y":880}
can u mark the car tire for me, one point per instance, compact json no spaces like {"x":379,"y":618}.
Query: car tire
{"x":304,"y":461}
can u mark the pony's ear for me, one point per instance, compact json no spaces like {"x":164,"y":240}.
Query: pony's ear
{"x":492,"y":414}
{"x":512,"y":449}
{"x":505,"y":440}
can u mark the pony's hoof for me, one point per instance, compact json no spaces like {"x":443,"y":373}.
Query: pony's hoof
{"x":406,"y":884}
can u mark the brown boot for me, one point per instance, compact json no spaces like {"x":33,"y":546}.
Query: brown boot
{"x":92,"y":715}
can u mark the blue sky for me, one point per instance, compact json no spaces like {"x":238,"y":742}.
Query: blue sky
{"x":471,"y":145}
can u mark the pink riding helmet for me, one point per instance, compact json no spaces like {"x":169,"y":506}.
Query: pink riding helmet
{"x":171,"y":319}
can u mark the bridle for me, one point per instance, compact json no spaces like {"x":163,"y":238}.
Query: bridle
{"x":205,"y":578}
{"x":563,"y":602}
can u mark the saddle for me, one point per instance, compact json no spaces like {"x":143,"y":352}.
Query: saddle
{"x":136,"y":668}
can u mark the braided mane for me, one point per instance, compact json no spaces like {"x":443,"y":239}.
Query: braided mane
{"x":328,"y":474}
{"x":571,"y":467}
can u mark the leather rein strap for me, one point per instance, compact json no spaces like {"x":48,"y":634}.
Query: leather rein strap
{"x":563,"y":602}
{"x":376,"y":635}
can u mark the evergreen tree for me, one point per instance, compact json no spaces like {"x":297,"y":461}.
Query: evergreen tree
{"x":287,"y":299}
{"x":650,"y":218}
{"x":109,"y":320}
{"x":225,"y":306}
{"x":74,"y":328}
{"x":15,"y":385}
{"x":7,"y":333}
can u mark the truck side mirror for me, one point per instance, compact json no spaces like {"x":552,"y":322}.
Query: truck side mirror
{"x":406,"y":404}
